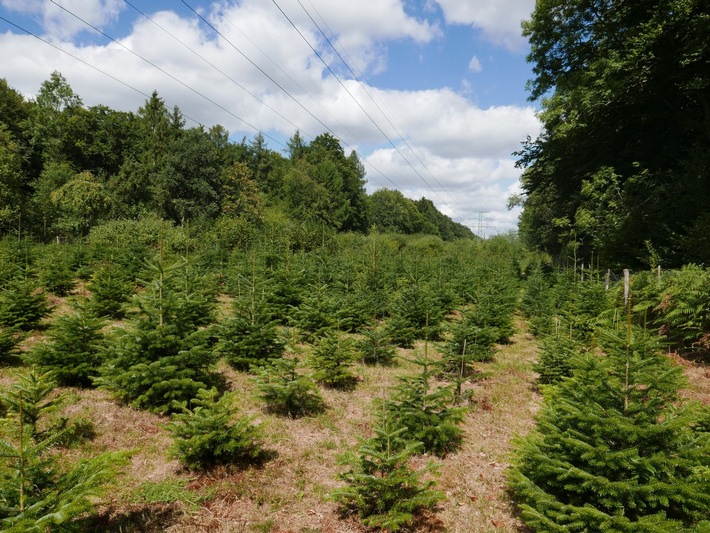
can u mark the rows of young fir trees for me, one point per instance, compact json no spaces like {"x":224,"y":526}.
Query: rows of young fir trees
{"x":67,"y":168}
{"x":616,"y":447}
{"x":150,"y":308}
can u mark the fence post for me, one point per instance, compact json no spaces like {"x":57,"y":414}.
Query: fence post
{"x":627,"y":287}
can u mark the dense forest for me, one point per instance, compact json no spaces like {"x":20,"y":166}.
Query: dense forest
{"x":620,"y":170}
{"x":203,"y":335}
{"x":67,"y":168}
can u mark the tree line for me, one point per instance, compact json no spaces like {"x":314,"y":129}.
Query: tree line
{"x":66,"y":168}
{"x":620,"y":170}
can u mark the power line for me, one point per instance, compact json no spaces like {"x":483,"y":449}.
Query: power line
{"x":114,"y":78}
{"x":168,"y":74}
{"x":284,"y":90}
{"x":353,"y":97}
{"x":214,"y":67}
{"x":364,"y":87}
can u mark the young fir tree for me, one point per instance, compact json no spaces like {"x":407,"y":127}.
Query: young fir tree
{"x":206,"y":434}
{"x":163,"y":357}
{"x":468,"y":343}
{"x":613,"y":451}
{"x":55,"y":271}
{"x":331,"y":359}
{"x":73,"y":348}
{"x":111,"y":289}
{"x":376,"y":347}
{"x":381,"y":487}
{"x":426,"y":414}
{"x":415,"y":314}
{"x":28,"y":398}
{"x":556,"y":358}
{"x":22,"y":304}
{"x":249,"y":337}
{"x":286,"y":391}
{"x":36,"y":493}
{"x":9,"y":339}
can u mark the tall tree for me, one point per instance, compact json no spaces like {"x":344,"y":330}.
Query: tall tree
{"x":621,"y":166}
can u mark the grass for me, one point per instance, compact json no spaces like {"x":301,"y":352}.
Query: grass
{"x":291,"y":491}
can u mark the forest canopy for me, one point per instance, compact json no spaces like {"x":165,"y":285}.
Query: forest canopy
{"x":66,"y":168}
{"x":620,"y":170}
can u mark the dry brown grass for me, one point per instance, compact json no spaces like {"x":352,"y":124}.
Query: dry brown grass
{"x":289,"y":493}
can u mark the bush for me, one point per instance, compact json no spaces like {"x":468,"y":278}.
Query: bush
{"x":381,"y":487}
{"x":285,"y":391}
{"x":331,"y":359}
{"x":205,"y":434}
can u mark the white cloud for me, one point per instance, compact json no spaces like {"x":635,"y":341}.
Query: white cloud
{"x":466,"y":150}
{"x":58,"y":23}
{"x":499,"y":20}
{"x":475,"y":65}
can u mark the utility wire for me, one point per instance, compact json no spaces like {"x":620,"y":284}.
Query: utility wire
{"x":168,"y":74}
{"x":215,"y":67}
{"x":355,"y":99}
{"x":285,"y":90}
{"x":114,"y":78}
{"x":364,"y":87}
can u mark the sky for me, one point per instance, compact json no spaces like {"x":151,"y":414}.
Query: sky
{"x":430,"y":93}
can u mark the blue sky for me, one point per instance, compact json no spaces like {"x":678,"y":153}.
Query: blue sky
{"x":436,"y":107}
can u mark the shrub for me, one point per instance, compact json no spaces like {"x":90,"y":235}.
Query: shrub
{"x":612,"y":450}
{"x":286,"y":391}
{"x":381,"y":487}
{"x":205,"y":434}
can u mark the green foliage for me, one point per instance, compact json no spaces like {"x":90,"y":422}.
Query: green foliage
{"x":468,"y":342}
{"x":286,"y":391}
{"x":605,"y":74}
{"x":35,"y":493}
{"x":613,"y":450}
{"x":416,"y":313}
{"x":685,"y":308}
{"x":55,"y":271}
{"x":249,"y":338}
{"x":381,"y":487}
{"x":206,"y":434}
{"x":425,"y":414}
{"x":164,"y":356}
{"x":556,"y":358}
{"x":376,"y":347}
{"x":22,"y":304}
{"x":110,"y":288}
{"x":73,"y":348}
{"x":9,"y":339}
{"x":29,"y":398}
{"x":331,"y":359}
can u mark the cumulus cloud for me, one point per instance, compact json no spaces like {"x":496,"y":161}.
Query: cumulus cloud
{"x":499,"y":20}
{"x":59,"y":23}
{"x":461,"y":156}
{"x":475,"y":65}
